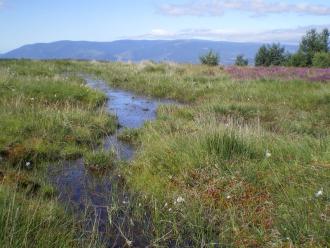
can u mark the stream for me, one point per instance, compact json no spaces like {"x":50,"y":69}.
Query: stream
{"x":93,"y":196}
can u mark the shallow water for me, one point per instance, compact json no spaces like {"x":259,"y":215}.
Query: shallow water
{"x":90,"y":194}
{"x":132,"y":111}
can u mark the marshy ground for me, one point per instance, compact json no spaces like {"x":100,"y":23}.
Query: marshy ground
{"x":242,"y":162}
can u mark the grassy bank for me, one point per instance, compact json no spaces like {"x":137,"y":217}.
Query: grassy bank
{"x":46,"y":114}
{"x":242,"y":163}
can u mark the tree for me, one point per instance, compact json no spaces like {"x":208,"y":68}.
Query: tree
{"x":241,"y":61}
{"x":269,"y":55}
{"x":314,"y":42}
{"x":261,"y":58}
{"x":211,"y":58}
{"x":297,"y":60}
{"x":321,"y":60}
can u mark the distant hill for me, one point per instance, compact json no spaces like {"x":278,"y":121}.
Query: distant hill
{"x":181,"y":51}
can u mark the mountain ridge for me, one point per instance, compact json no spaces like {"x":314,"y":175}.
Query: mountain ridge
{"x":181,"y":51}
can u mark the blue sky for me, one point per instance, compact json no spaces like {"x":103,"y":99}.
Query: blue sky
{"x":23,"y":22}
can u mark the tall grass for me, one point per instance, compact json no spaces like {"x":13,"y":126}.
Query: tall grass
{"x":33,"y":223}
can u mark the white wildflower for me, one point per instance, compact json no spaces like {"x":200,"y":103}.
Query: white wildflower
{"x":319,"y":193}
{"x":228,"y":197}
{"x":32,"y":99}
{"x":28,"y":164}
{"x":180,"y":199}
{"x":268,"y":154}
{"x":129,"y":243}
{"x":126,"y":201}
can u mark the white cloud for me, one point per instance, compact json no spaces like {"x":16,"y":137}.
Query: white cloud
{"x":161,"y":33}
{"x":278,"y":35}
{"x":255,"y":7}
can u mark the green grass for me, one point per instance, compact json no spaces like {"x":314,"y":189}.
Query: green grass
{"x":247,"y":157}
{"x":100,"y":159}
{"x":130,"y":135}
{"x":46,"y":114}
{"x":33,"y":223}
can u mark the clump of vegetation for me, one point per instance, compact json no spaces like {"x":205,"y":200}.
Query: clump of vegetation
{"x":130,"y":135}
{"x":297,"y":59}
{"x":33,"y":223}
{"x":241,"y":61}
{"x":49,"y":192}
{"x":100,"y":160}
{"x":321,"y":60}
{"x":270,"y":55}
{"x":211,"y":59}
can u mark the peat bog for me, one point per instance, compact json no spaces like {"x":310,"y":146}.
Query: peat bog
{"x":244,"y":162}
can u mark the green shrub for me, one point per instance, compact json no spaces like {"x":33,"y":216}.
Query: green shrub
{"x":297,"y":60}
{"x":321,"y":60}
{"x":211,"y":59}
{"x":241,"y":61}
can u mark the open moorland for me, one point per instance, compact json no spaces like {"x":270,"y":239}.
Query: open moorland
{"x":242,"y":159}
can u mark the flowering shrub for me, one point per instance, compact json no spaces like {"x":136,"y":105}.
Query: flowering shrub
{"x":281,"y":73}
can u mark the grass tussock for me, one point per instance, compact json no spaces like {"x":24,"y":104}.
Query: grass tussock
{"x":99,"y":160}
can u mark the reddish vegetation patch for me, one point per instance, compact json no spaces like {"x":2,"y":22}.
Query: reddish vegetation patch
{"x":15,"y":153}
{"x":282,"y":73}
{"x":229,"y":193}
{"x":251,"y":204}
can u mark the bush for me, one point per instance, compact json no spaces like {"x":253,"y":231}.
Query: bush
{"x":321,"y":60}
{"x":269,"y":55}
{"x":211,"y":59}
{"x":241,"y":61}
{"x":297,"y":60}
